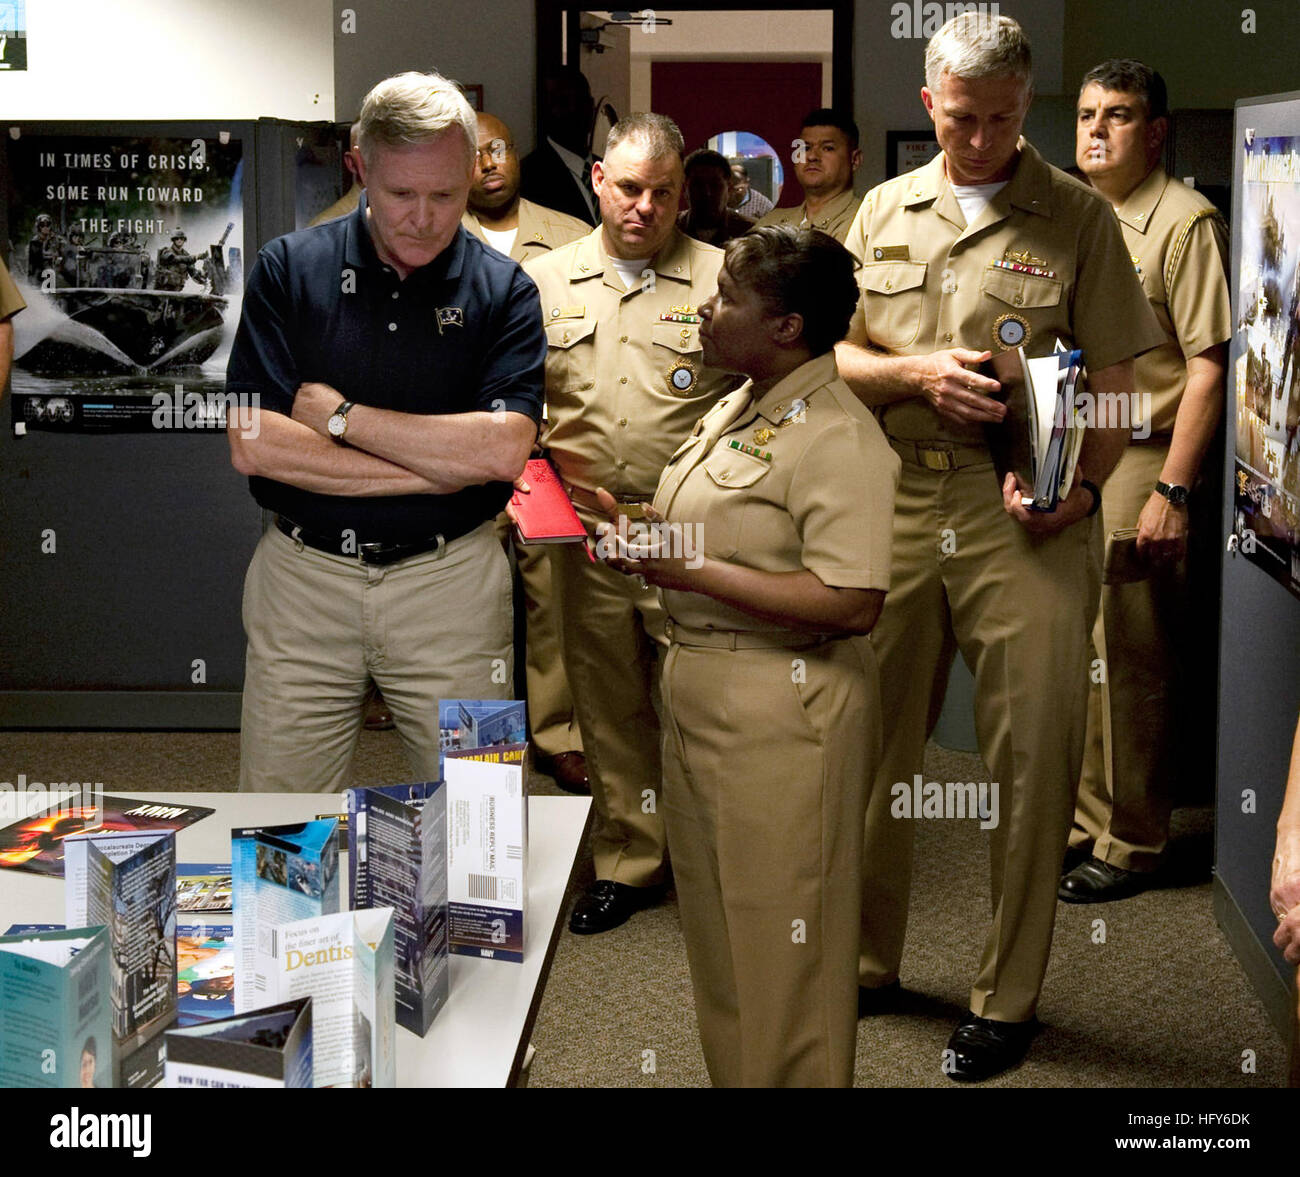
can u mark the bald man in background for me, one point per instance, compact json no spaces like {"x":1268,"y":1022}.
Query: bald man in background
{"x":352,"y":197}
{"x":522,"y":229}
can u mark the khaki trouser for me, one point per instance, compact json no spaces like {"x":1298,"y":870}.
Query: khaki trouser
{"x":967,"y":576}
{"x":610,"y":631}
{"x":552,"y":722}
{"x":551,"y":717}
{"x":436,"y":626}
{"x":1126,"y":791}
{"x":768,"y":755}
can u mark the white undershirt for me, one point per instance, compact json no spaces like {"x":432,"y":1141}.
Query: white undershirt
{"x":974,"y":198}
{"x":502,"y":240}
{"x":630,"y":270}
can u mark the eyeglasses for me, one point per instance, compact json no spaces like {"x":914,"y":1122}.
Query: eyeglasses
{"x":495,"y":151}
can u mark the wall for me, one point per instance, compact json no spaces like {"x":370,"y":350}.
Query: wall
{"x":174,"y":59}
{"x":744,"y":35}
{"x":889,"y":70}
{"x":1202,"y":52}
{"x":465,"y":39}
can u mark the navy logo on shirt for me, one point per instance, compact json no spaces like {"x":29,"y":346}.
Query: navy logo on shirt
{"x":450,"y":317}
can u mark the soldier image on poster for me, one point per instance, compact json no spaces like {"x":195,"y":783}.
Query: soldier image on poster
{"x":174,"y":264}
{"x":42,"y":250}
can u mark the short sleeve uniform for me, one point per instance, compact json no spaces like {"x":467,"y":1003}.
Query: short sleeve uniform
{"x":1147,"y":630}
{"x":800,"y":478}
{"x":11,"y":302}
{"x":772,"y":735}
{"x":541,"y":229}
{"x":625,"y":384}
{"x":1045,"y":261}
{"x":834,"y":218}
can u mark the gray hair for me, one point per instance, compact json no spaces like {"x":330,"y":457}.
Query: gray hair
{"x":657,"y":133}
{"x":413,"y":108}
{"x":976,"y":44}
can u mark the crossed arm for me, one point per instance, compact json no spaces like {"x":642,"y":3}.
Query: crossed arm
{"x":387,"y":452}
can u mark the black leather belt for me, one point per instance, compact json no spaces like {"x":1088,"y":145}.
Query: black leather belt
{"x":369,"y":553}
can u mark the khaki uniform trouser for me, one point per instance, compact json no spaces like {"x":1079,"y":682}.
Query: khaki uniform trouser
{"x":1126,"y":791}
{"x":551,"y":716}
{"x":967,"y":576}
{"x":552,"y":722}
{"x":436,"y":626}
{"x":768,"y":755}
{"x":611,"y":631}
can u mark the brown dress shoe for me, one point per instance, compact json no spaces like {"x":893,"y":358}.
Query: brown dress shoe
{"x":569,"y":770}
{"x":376,"y":716}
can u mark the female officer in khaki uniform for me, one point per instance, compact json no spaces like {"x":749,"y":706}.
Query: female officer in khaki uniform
{"x":770,"y":538}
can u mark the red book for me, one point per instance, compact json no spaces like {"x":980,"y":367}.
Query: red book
{"x":545,"y":515}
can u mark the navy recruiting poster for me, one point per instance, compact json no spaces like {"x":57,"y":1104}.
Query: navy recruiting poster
{"x":129,"y":253}
{"x":1267,"y":466}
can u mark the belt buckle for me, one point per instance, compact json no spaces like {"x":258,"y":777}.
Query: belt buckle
{"x":364,"y":551}
{"x":937,"y":459}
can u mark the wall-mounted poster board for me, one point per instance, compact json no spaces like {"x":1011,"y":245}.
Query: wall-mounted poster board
{"x":128,"y":249}
{"x":1259,"y":677}
{"x":126,"y":530}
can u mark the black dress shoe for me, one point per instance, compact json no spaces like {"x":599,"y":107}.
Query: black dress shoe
{"x":607,"y":904}
{"x":1096,"y":881}
{"x":1073,"y":856}
{"x":983,"y":1048}
{"x":882,"y":999}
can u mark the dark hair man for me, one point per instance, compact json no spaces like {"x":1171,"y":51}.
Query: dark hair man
{"x":1179,"y":245}
{"x":625,"y":384}
{"x":825,"y":157}
{"x":745,"y":199}
{"x":557,"y":173}
{"x":708,"y":186}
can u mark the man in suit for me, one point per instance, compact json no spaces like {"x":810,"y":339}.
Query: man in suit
{"x":558,"y":173}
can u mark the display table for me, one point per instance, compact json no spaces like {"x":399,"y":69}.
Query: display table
{"x":480,"y":1037}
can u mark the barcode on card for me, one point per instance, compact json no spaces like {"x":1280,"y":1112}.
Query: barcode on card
{"x":514,"y":852}
{"x":483,"y":886}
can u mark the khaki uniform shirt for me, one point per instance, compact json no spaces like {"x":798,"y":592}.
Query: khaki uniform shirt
{"x":835,"y":217}
{"x":624,"y":383}
{"x":11,"y":302}
{"x":781,"y":486}
{"x":929,"y":281}
{"x":541,"y":229}
{"x":1178,"y":242}
{"x":340,"y":208}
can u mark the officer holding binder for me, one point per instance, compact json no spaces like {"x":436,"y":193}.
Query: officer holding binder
{"x":985,"y":249}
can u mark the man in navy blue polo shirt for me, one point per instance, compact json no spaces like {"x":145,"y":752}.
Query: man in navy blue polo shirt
{"x":394,"y":364}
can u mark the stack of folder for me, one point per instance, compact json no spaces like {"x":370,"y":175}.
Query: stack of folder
{"x":1040,"y":437}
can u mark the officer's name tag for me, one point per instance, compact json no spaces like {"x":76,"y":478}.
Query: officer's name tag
{"x":891,"y":253}
{"x":568,"y":312}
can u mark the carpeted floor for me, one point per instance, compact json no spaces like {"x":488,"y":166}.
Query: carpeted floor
{"x":1160,"y":1003}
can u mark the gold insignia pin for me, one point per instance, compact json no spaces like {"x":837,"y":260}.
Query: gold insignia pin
{"x":764,"y":435}
{"x":1024,"y":257}
{"x":682,"y":377}
{"x":1010,"y":331}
